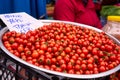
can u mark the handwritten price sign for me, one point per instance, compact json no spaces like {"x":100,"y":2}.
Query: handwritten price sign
{"x":20,"y":22}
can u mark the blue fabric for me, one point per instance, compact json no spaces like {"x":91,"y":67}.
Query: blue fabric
{"x":35,"y":8}
{"x":48,"y":1}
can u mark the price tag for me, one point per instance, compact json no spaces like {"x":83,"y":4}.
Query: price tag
{"x":20,"y":22}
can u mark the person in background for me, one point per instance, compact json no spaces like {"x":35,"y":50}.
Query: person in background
{"x":81,"y":11}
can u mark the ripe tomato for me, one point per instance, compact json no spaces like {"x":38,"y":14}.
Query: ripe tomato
{"x":48,"y":61}
{"x":85,"y":51}
{"x":4,"y":38}
{"x":43,"y":47}
{"x":102,"y":69}
{"x":77,"y":67}
{"x":41,"y":60}
{"x":71,"y":71}
{"x":11,"y":40}
{"x":63,"y":66}
{"x":113,"y":57}
{"x":28,"y":53}
{"x":95,"y":51}
{"x":35,"y":54}
{"x":67,"y":49}
{"x":83,"y":66}
{"x":90,"y":66}
{"x":16,"y":54}
{"x":20,"y":48}
{"x":69,"y":66}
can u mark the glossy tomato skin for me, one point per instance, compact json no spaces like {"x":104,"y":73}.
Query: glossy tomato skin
{"x":20,"y":48}
{"x":16,"y":53}
{"x":43,"y":47}
{"x":65,"y":48}
{"x":35,"y":54}
{"x":5,"y":37}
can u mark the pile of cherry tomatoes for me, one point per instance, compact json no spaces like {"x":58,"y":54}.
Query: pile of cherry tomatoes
{"x":65,"y":48}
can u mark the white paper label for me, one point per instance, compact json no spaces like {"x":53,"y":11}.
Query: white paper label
{"x":20,"y":22}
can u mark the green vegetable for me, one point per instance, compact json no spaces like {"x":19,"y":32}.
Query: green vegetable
{"x":110,"y":11}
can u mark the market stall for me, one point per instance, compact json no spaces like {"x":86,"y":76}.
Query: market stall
{"x":33,"y":71}
{"x":60,"y":50}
